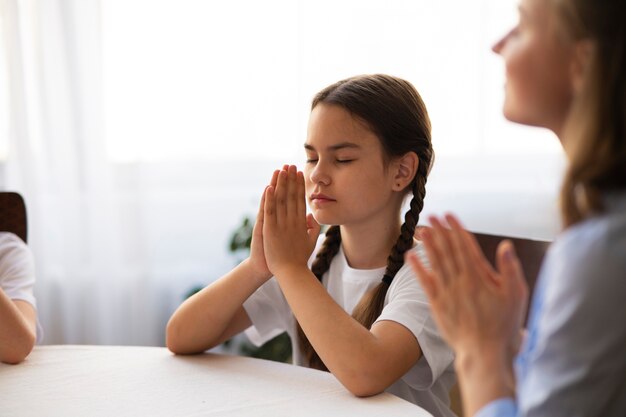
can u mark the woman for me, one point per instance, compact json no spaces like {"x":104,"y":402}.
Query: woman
{"x":566,"y":71}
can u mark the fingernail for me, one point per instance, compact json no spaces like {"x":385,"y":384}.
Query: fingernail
{"x":509,"y":253}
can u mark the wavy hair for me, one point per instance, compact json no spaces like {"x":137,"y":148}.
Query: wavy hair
{"x":595,"y":132}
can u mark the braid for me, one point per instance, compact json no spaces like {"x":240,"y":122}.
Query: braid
{"x":407,"y":231}
{"x":324,"y":257}
{"x":371,"y":305}
{"x":327,"y":252}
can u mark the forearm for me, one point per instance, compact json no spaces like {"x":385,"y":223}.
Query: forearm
{"x":201,"y":322}
{"x":484,"y":375}
{"x":349,"y":350}
{"x":17,"y":335}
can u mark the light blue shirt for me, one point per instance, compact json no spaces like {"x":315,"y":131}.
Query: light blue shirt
{"x":573,"y":362}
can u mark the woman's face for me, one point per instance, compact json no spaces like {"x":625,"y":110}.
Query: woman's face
{"x":538,"y":61}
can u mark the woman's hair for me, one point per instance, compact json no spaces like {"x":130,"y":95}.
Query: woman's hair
{"x":595,"y":132}
{"x":392,"y":109}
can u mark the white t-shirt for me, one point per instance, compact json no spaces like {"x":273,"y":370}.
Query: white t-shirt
{"x":427,"y":383}
{"x":17,"y":271}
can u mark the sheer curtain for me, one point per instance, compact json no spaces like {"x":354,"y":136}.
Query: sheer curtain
{"x":142,"y":132}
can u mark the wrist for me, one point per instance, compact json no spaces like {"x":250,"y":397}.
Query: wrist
{"x":253,"y":273}
{"x":290,"y":270}
{"x":484,"y":375}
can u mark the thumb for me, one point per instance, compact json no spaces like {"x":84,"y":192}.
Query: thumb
{"x":312,"y":228}
{"x":510,"y":268}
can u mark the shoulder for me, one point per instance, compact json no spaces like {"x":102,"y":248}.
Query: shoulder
{"x":405,"y":283}
{"x":594,"y":248}
{"x":13,"y":252}
{"x":584,"y":268}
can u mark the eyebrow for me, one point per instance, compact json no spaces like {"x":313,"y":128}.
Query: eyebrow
{"x":335,"y":147}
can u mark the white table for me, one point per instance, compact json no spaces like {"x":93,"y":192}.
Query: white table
{"x":113,"y":381}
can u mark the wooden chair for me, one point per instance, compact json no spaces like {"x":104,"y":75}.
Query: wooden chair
{"x":530,"y":253}
{"x":13,"y":214}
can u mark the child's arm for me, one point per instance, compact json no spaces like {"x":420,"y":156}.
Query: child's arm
{"x":17,"y":329}
{"x":216,"y":313}
{"x":365,"y":361}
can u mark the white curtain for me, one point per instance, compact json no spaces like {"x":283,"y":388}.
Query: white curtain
{"x":141,"y":132}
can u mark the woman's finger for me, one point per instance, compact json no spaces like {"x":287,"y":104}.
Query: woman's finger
{"x":447,"y":259}
{"x":426,"y":279}
{"x":434,"y":257}
{"x":511,"y":271}
{"x":476,"y":255}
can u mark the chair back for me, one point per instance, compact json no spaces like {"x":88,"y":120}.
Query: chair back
{"x":530,"y":253}
{"x":13,"y":214}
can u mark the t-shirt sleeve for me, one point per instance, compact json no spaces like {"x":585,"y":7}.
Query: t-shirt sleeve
{"x":407,"y":304}
{"x":269,"y":312}
{"x":17,"y":270}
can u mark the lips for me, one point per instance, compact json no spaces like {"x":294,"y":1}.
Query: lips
{"x":321,"y":198}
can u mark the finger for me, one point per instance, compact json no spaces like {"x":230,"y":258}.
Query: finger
{"x":434,"y":257}
{"x":447,"y":259}
{"x":292,"y":194}
{"x":468,"y":254}
{"x":313,"y":228}
{"x":511,"y":271}
{"x":301,"y":195}
{"x":470,"y":244}
{"x":418,"y":231}
{"x":274,"y":178}
{"x":280,"y":197}
{"x":425,"y":278}
{"x":269,"y":215}
{"x":259,"y":216}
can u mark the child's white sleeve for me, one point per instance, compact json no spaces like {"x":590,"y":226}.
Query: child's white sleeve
{"x":269,"y":312}
{"x":407,"y":304}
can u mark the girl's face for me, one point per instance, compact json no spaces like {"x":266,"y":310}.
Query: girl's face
{"x":346,"y":179}
{"x":538,"y":60}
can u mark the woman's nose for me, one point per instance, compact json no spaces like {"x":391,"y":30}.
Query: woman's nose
{"x":498,"y":46}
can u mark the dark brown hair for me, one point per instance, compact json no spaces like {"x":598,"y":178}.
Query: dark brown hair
{"x":395,"y":112}
{"x":595,"y":132}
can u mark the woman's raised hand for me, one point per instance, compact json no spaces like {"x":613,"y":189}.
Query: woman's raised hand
{"x":476,"y":307}
{"x":289,"y":235}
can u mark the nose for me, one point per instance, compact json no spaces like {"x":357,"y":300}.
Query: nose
{"x":319,"y":174}
{"x":499,"y":46}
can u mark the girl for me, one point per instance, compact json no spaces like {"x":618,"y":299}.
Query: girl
{"x":566,"y":71}
{"x":356,"y":311}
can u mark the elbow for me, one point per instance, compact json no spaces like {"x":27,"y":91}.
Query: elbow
{"x":19,"y":351}
{"x":364,"y":386}
{"x":173,"y":339}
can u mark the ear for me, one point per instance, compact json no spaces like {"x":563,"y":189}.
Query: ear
{"x":583,"y":54}
{"x":404,"y":170}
